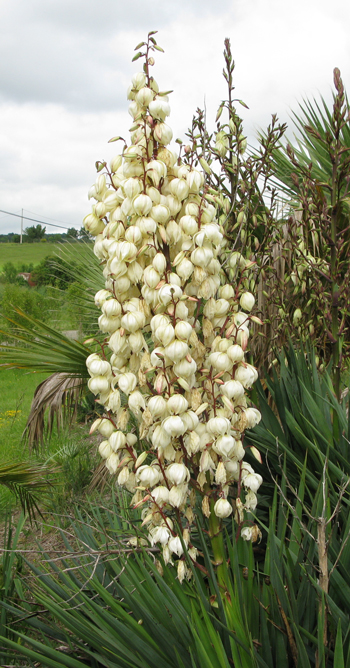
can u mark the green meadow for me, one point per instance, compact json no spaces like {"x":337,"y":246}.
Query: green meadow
{"x":27,"y":253}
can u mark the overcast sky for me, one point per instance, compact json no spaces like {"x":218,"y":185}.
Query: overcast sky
{"x":65,"y":66}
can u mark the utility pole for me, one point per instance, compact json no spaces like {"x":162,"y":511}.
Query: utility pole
{"x":20,"y":241}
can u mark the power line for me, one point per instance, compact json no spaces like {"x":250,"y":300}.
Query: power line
{"x":33,"y":220}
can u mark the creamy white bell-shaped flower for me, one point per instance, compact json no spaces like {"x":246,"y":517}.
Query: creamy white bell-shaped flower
{"x":103,"y":426}
{"x":136,"y":402}
{"x":117,"y":440}
{"x":97,"y":366}
{"x":174,"y":426}
{"x":183,"y":330}
{"x":160,"y":495}
{"x":151,"y":277}
{"x":157,"y":406}
{"x":160,"y":534}
{"x":160,"y":437}
{"x":212,"y":233}
{"x":144,"y":96}
{"x":105,"y":449}
{"x":165,"y":334}
{"x":136,"y":342}
{"x":177,"y":404}
{"x":179,"y":188}
{"x":156,"y":170}
{"x":132,"y":187}
{"x":159,"y":108}
{"x":177,"y":474}
{"x":93,"y":224}
{"x":160,"y":213}
{"x":232,"y":469}
{"x":138,"y":80}
{"x":201,"y":257}
{"x":176,"y":350}
{"x":114,"y":401}
{"x":247,"y":533}
{"x":221,"y":307}
{"x":189,"y":225}
{"x":251,"y":500}
{"x":252,"y":481}
{"x":235,"y":353}
{"x":246,"y":374}
{"x":112,"y":463}
{"x":247,"y":301}
{"x":190,"y":420}
{"x":134,"y":321}
{"x":133,"y":234}
{"x":173,"y":233}
{"x":101,"y":296}
{"x":162,"y":133}
{"x":218,"y":426}
{"x":185,"y":268}
{"x":148,"y":475}
{"x":168,"y":293}
{"x":232,"y":389}
{"x":184,"y":368}
{"x":219,"y":361}
{"x":224,"y":445}
{"x":222,"y":508}
{"x":127,"y":382}
{"x":159,"y":263}
{"x":177,"y":495}
{"x":98,"y":384}
{"x":159,"y":320}
{"x":195,"y":180}
{"x":253,"y":417}
{"x":226,"y":292}
{"x":111,"y":308}
{"x":123,"y":476}
{"x":175,"y":546}
{"x":142,"y":205}
{"x":109,"y":325}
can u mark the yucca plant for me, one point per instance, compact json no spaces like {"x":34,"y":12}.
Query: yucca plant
{"x":302,"y":416}
{"x":315,"y":174}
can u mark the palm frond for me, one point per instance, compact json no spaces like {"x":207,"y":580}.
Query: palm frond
{"x":59,"y":396}
{"x":27,"y":482}
{"x":41,"y":348}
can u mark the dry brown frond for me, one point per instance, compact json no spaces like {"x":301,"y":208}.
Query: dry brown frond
{"x":59,"y":395}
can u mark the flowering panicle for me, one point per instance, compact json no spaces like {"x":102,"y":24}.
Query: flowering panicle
{"x":177,"y":335}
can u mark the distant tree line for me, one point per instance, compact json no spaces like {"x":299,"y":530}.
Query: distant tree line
{"x":37,"y":234}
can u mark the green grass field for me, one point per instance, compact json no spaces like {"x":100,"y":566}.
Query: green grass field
{"x":26,"y":253}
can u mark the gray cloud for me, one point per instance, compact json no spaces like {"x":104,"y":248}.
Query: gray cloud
{"x":68,"y":51}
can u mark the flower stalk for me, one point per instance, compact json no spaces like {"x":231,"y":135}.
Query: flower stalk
{"x":177,"y":335}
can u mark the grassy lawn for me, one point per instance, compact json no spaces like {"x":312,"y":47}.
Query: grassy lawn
{"x":72,"y":451}
{"x":16,"y":390}
{"x":26,"y":253}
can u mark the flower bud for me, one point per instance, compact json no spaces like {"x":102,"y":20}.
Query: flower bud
{"x":247,"y":301}
{"x":222,"y":508}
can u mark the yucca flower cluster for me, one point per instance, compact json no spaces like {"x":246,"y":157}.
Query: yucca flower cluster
{"x":176,"y":336}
